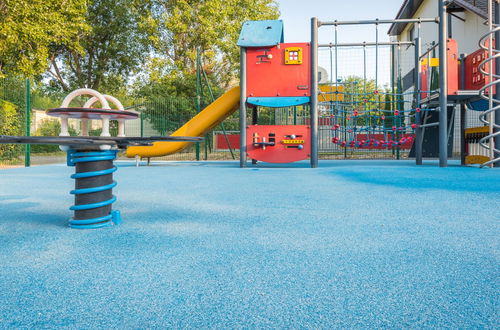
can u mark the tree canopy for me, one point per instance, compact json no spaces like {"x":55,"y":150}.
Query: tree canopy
{"x":211,"y":27}
{"x":116,"y":46}
{"x":31,"y":29}
{"x":110,"y":44}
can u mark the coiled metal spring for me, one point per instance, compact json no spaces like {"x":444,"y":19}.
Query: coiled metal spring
{"x":93,"y":193}
{"x":486,"y":92}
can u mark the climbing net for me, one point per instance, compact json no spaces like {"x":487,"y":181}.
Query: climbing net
{"x":365,"y":99}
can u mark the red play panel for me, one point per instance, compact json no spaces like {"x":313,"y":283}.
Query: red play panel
{"x":278,"y":143}
{"x":221,"y":142}
{"x":279,"y":70}
{"x":474,"y":79}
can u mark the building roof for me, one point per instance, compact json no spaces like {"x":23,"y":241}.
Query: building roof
{"x":410,"y":7}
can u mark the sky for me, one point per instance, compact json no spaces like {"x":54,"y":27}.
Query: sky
{"x":297,"y":14}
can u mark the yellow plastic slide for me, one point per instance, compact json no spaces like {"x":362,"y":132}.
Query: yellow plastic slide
{"x":199,"y":125}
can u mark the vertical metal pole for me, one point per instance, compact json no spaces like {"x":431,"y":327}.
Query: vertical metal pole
{"x":497,"y":72}
{"x":255,"y":121}
{"x":243,"y":109}
{"x":142,"y":123}
{"x":198,"y":97}
{"x":314,"y":92}
{"x":400,"y":105}
{"x":393,"y":90}
{"x":450,"y":30}
{"x":27,"y":150}
{"x":418,"y":116}
{"x":463,"y":112}
{"x":463,"y":124}
{"x":443,"y":87}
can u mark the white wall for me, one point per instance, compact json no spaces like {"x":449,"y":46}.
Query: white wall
{"x":466,"y":33}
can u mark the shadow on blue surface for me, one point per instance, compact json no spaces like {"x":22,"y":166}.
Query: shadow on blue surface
{"x":21,"y":212}
{"x":428,"y":177}
{"x":209,"y":245}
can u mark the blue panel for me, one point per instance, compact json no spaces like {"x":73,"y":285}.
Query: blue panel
{"x":276,"y":102}
{"x":480,"y":105}
{"x":261,"y":33}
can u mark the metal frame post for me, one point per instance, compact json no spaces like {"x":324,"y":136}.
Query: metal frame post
{"x":443,"y":86}
{"x":463,"y":112}
{"x":198,"y":97}
{"x":27,"y":150}
{"x":243,"y":109}
{"x":142,"y":123}
{"x":418,"y":115}
{"x":314,"y":92}
{"x":497,"y":93}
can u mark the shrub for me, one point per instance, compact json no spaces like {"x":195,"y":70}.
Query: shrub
{"x":10,"y":124}
{"x":49,"y":127}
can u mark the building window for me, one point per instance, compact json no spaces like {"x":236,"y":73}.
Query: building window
{"x":411,"y":33}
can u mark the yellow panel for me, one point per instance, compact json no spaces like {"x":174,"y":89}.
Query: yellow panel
{"x":293,"y":55}
{"x":292,"y":141}
{"x":476,"y":159}
{"x":434,"y":61}
{"x":332,"y":94}
{"x":475,"y":130}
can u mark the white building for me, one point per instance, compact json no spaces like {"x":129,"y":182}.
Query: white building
{"x":466,"y":24}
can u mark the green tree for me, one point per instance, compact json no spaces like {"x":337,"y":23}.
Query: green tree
{"x":167,"y":114}
{"x":212,"y":27}
{"x":209,"y":26}
{"x":365,"y":99}
{"x":31,"y":29}
{"x":116,"y":47}
{"x":388,"y":109}
{"x":9,"y":125}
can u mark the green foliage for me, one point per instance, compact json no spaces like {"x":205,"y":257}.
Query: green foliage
{"x":12,"y":90}
{"x":168,"y":114}
{"x":211,"y":27}
{"x":30,"y":30}
{"x":116,"y":47}
{"x":364,"y":98}
{"x":172,"y":83}
{"x":41,"y":101}
{"x":113,"y":129}
{"x":49,"y":127}
{"x":9,"y":125}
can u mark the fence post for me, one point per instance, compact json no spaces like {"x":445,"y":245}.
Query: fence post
{"x":497,"y":92}
{"x":314,"y":92}
{"x":198,"y":96}
{"x":418,"y":114}
{"x":27,"y":148}
{"x":141,"y":118}
{"x":443,"y":86}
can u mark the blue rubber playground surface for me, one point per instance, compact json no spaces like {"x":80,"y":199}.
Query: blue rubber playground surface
{"x":360,"y":244}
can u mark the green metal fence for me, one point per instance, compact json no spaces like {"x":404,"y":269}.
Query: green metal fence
{"x":162,"y":116}
{"x":14,"y":105}
{"x":22,"y":112}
